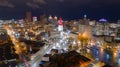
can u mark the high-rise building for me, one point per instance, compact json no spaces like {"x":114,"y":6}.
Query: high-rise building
{"x":60,"y":25}
{"x":55,"y":18}
{"x":28,"y":16}
{"x":118,"y":21}
{"x":34,"y":19}
{"x":43,"y":20}
{"x":50,"y":17}
{"x":85,"y":20}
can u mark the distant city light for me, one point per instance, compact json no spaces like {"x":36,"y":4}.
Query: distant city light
{"x":102,"y":20}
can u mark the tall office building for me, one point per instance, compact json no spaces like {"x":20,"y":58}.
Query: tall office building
{"x":60,"y":25}
{"x":43,"y":19}
{"x":50,"y":17}
{"x":56,"y":18}
{"x":34,"y":19}
{"x":28,"y":17}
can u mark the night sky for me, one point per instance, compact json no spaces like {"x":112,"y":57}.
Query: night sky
{"x":68,"y":9}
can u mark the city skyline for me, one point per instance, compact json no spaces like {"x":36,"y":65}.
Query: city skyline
{"x":60,"y":33}
{"x":67,"y":9}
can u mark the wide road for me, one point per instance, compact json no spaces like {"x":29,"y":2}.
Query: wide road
{"x":37,"y":57}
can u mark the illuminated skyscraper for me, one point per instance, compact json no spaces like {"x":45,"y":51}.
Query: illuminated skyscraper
{"x":55,"y":18}
{"x":28,"y":17}
{"x":50,"y":17}
{"x":43,"y":19}
{"x":60,"y":25}
{"x":34,"y":19}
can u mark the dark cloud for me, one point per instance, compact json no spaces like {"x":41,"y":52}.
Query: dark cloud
{"x":32,"y":5}
{"x":60,"y":0}
{"x":6,"y":3}
{"x":40,"y":1}
{"x":35,"y":3}
{"x":15,"y":3}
